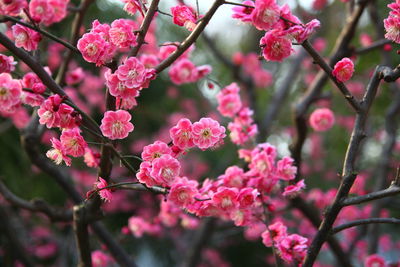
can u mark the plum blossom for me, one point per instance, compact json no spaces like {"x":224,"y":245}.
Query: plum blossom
{"x":73,"y":142}
{"x":292,"y":248}
{"x":165,"y":169}
{"x":294,"y":190}
{"x":105,"y":194}
{"x":229,"y":102}
{"x":182,"y":192}
{"x":7,"y":63}
{"x":26,"y":37}
{"x":265,"y":14}
{"x":116,"y":124}
{"x":183,"y":16}
{"x":274,"y":233}
{"x":12,"y":7}
{"x":343,"y":70}
{"x":58,"y":153}
{"x":243,"y":13}
{"x":276,"y":46}
{"x":322,"y":119}
{"x":155,"y":150}
{"x":181,"y":134}
{"x":93,"y":48}
{"x":122,"y":33}
{"x":207,"y":133}
{"x":100,"y":259}
{"x":374,"y":260}
{"x":133,"y":74}
{"x":10,"y":91}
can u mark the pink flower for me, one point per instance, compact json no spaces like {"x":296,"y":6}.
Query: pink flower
{"x":54,"y":113}
{"x":91,"y":158}
{"x":183,"y":16}
{"x":233,"y":177}
{"x":12,"y":7}
{"x":293,"y":248}
{"x":10,"y":91}
{"x":122,"y":33}
{"x":294,"y":190}
{"x":94,"y":48}
{"x":138,"y":226}
{"x":74,"y":76}
{"x":116,"y":124}
{"x":181,"y":134}
{"x":392,"y":27}
{"x":374,"y":260}
{"x":207,"y":133}
{"x":247,"y":197}
{"x":225,"y":198}
{"x":261,"y":164}
{"x":343,"y":70}
{"x":155,"y":150}
{"x":265,"y":14}
{"x":41,"y":11}
{"x":229,"y":102}
{"x":274,"y":234}
{"x":100,"y":259}
{"x":58,"y":153}
{"x":319,"y":4}
{"x":262,"y":78}
{"x":285,"y":169}
{"x":182,"y":192}
{"x":183,"y":71}
{"x":165,"y":169}
{"x":117,"y":87}
{"x":105,"y":194}
{"x":143,"y":175}
{"x":322,"y":119}
{"x":132,"y":6}
{"x":73,"y":142}
{"x":243,"y":13}
{"x":26,"y":37}
{"x":276,"y":46}
{"x":133,"y":74}
{"x":7,"y":63}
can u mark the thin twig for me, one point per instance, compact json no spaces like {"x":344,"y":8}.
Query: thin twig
{"x":344,"y":226}
{"x":391,"y":191}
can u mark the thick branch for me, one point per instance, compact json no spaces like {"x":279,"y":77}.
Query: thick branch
{"x":36,"y":205}
{"x":344,"y":226}
{"x":82,"y":236}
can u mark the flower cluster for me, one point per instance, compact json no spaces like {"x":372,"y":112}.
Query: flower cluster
{"x":48,"y":11}
{"x":12,"y":8}
{"x":101,"y":42}
{"x":281,"y":25}
{"x":392,"y":22}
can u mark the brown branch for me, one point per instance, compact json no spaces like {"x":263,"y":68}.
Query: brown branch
{"x":191,"y":38}
{"x":36,"y":205}
{"x":348,"y":174}
{"x":145,"y":27}
{"x":82,"y":236}
{"x":391,"y":191}
{"x":344,"y":226}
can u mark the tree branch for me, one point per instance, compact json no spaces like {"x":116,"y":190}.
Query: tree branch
{"x":391,"y":191}
{"x":344,"y":226}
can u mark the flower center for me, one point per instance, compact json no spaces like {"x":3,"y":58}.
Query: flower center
{"x":91,"y":49}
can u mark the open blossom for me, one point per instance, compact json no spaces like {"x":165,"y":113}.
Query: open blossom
{"x":48,"y":11}
{"x":265,"y":14}
{"x":12,"y":7}
{"x":243,"y":13}
{"x":58,"y":153}
{"x":73,"y":142}
{"x":165,"y":169}
{"x":91,"y":157}
{"x":54,"y":113}
{"x":276,"y":46}
{"x":207,"y":133}
{"x":374,"y":260}
{"x":293,"y":248}
{"x":181,"y":134}
{"x":226,"y":198}
{"x":100,"y":259}
{"x":233,"y":177}
{"x":182,"y":192}
{"x":10,"y":91}
{"x":74,"y":76}
{"x":7,"y":63}
{"x":322,"y":119}
{"x":117,"y":87}
{"x":132,"y":6}
{"x":105,"y":194}
{"x":343,"y":70}
{"x":155,"y":150}
{"x":133,"y":74}
{"x":274,"y":234}
{"x":183,"y":71}
{"x":26,"y":37}
{"x":294,"y":190}
{"x":122,"y":33}
{"x":392,"y":27}
{"x":285,"y":169}
{"x":229,"y":102}
{"x":183,"y":16}
{"x":116,"y":124}
{"x":143,"y":175}
{"x":93,"y":48}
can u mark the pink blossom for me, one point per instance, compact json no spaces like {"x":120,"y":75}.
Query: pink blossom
{"x":60,"y":10}
{"x":73,"y":142}
{"x":132,"y":6}
{"x":58,"y":153}
{"x":100,"y":259}
{"x":229,"y":102}
{"x":74,"y":76}
{"x":118,"y":88}
{"x":182,"y":192}
{"x":10,"y":91}
{"x":26,"y":37}
{"x":183,"y":71}
{"x":105,"y":194}
{"x":91,"y":157}
{"x":319,"y":4}
{"x":165,"y":170}
{"x":365,"y":39}
{"x":243,"y":13}
{"x":285,"y":169}
{"x":322,"y":119}
{"x":94,"y":48}
{"x":207,"y":133}
{"x":374,"y":260}
{"x":261,"y":164}
{"x":116,"y":124}
{"x":133,"y":74}
{"x":33,"y":100}
{"x":247,"y":197}
{"x":138,"y":226}
{"x":343,"y":70}
{"x":265,"y":14}
{"x":274,"y":234}
{"x":149,"y":61}
{"x":181,"y":134}
{"x":12,"y":7}
{"x":225,"y":198}
{"x":294,"y":190}
{"x":183,"y":16}
{"x":122,"y":33}
{"x":7,"y":63}
{"x":54,"y":113}
{"x":41,"y":11}
{"x":293,"y":248}
{"x":262,"y":78}
{"x":233,"y":177}
{"x":143,"y":175}
{"x":155,"y":150}
{"x":276,"y":46}
{"x":392,"y":27}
